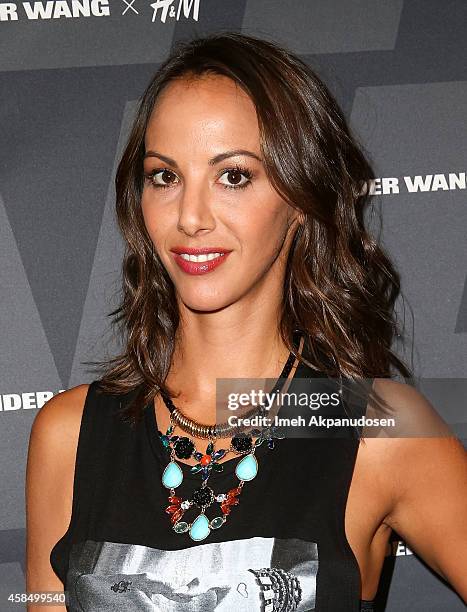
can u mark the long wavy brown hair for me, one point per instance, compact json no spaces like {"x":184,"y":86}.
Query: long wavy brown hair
{"x":340,"y":287}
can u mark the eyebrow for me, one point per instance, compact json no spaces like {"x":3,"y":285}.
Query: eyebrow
{"x":214,"y":160}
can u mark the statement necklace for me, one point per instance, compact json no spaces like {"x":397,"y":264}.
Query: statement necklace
{"x":183,"y":447}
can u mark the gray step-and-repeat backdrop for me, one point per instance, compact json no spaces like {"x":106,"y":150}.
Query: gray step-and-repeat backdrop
{"x":70,"y":75}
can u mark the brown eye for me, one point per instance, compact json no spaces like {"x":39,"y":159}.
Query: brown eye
{"x":167,"y":177}
{"x":235,"y":177}
{"x":238,"y":178}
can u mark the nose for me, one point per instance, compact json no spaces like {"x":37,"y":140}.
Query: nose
{"x":194,"y":213}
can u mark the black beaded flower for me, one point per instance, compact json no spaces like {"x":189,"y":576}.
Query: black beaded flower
{"x":203,"y":496}
{"x":242,"y":443}
{"x":184,"y":447}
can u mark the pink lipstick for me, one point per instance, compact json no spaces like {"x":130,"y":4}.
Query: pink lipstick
{"x":213,"y":257}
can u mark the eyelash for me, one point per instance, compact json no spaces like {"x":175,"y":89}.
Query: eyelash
{"x":237,"y":168}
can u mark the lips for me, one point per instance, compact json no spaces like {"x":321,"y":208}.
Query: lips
{"x":199,"y":267}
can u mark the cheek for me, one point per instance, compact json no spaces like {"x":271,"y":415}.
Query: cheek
{"x":263,"y":234}
{"x":156,"y":222}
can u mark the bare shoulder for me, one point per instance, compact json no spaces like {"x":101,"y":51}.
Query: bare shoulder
{"x":49,"y":482}
{"x":408,"y":414}
{"x":61,"y":414}
{"x":416,"y":428}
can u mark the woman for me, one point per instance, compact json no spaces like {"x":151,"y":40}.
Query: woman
{"x":241,"y":197}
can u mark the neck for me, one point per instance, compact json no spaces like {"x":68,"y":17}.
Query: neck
{"x":193,"y":375}
{"x":203,"y":355}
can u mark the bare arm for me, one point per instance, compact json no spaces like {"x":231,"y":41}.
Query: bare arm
{"x":49,"y":487}
{"x":428,"y":479}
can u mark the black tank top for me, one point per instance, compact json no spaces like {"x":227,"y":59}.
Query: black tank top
{"x":120,"y":552}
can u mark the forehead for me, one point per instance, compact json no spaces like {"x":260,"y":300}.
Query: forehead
{"x":210,"y":106}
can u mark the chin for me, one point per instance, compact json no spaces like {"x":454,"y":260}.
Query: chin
{"x":205,"y":303}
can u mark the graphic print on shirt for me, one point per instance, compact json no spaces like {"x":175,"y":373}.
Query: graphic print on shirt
{"x":108,"y":576}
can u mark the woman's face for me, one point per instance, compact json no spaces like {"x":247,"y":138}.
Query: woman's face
{"x":201,"y":191}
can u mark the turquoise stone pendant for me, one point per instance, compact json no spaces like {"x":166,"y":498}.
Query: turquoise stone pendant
{"x":172,"y":476}
{"x":200,"y":528}
{"x":247,"y":468}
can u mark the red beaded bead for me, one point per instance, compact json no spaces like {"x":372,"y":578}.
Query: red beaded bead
{"x":174,"y":518}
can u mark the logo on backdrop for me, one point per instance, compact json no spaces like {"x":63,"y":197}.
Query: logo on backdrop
{"x":398,"y":548}
{"x":417,"y":183}
{"x":54,"y":9}
{"x":69,"y":9}
{"x":24,"y":401}
{"x":167,"y":9}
